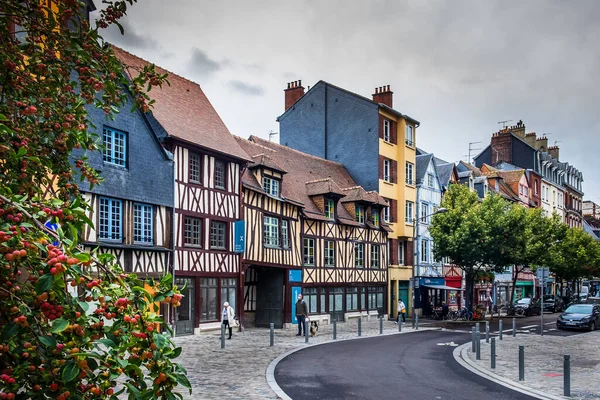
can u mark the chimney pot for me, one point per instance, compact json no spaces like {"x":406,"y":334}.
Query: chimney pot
{"x":383,"y":95}
{"x":288,"y":85}
{"x":293,"y":92}
{"x":388,"y":88}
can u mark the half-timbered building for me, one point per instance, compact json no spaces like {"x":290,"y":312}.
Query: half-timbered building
{"x":309,"y":229}
{"x":208,"y":166}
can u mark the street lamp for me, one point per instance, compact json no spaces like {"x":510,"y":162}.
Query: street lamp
{"x":440,"y":210}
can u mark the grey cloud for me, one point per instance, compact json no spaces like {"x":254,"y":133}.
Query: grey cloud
{"x":202,"y":65}
{"x":131,"y":39}
{"x":246,"y":88}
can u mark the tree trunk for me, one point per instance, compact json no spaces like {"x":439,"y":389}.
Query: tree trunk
{"x":515,"y":278}
{"x":469,"y":287}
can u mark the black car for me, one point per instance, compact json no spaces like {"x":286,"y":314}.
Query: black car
{"x":526,"y":306}
{"x":553,"y":303}
{"x":580,"y":316}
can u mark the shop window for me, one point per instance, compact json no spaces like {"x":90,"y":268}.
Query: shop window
{"x":209,"y":306}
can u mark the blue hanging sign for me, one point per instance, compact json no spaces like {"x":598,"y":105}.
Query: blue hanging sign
{"x":239,"y":235}
{"x":295,"y":275}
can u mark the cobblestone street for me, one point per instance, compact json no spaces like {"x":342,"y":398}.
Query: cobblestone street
{"x":238,"y":371}
{"x":544,"y":362}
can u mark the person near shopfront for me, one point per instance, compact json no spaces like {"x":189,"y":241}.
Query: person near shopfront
{"x":301,"y":314}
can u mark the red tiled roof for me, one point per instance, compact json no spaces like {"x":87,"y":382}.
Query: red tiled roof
{"x":184,"y":111}
{"x":511,"y":176}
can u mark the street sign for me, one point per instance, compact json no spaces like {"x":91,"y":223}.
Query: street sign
{"x":542,"y":273}
{"x":239,"y":234}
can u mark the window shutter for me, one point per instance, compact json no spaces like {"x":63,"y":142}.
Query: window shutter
{"x":394,"y":132}
{"x":393,"y":251}
{"x":394,"y":173}
{"x":380,"y":166}
{"x":393,"y":210}
{"x":408,"y":253}
{"x":381,"y":126}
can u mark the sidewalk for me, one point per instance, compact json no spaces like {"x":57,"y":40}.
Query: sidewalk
{"x":238,"y":371}
{"x":543,"y":363}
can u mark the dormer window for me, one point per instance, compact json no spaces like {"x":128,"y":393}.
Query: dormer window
{"x":360,"y":214}
{"x":329,"y":209}
{"x":375,"y":217}
{"x":271,"y":186}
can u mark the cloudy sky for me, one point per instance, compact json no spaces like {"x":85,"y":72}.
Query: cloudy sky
{"x":459,"y":67}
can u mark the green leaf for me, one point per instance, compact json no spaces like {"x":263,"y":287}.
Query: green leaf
{"x":83,"y":257}
{"x":48,"y":341}
{"x":106,"y":342}
{"x":183,"y":381}
{"x":22,"y":151}
{"x":70,"y":372}
{"x":160,"y":340}
{"x":176,"y":352}
{"x":10,"y":330}
{"x":59,"y":325}
{"x":44,"y":283}
{"x":120,"y":27}
{"x":85,"y":306}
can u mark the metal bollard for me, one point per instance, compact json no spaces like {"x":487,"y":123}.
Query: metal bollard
{"x":334,"y":330}
{"x":514,"y":327}
{"x":305,"y":331}
{"x":487,"y":332}
{"x":271,"y":334}
{"x":359,"y":325}
{"x":500,"y":329}
{"x":473,"y":339}
{"x":222,"y":336}
{"x":493,"y":353}
{"x":478,"y":345}
{"x":521,"y":363}
{"x":417,"y":322}
{"x":477,"y":329}
{"x":567,"y":376}
{"x":381,"y":325}
{"x":399,"y":324}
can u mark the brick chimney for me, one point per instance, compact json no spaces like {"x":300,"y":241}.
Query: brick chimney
{"x":541,"y":144}
{"x":519,"y":129}
{"x":530,"y":138}
{"x":553,"y":151}
{"x":383,"y":95}
{"x":501,"y":147}
{"x":294,"y":91}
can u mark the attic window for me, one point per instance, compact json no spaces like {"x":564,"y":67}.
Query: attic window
{"x":375,"y":217}
{"x":360,"y":214}
{"x":329,"y":209}
{"x":272,"y":186}
{"x":430,"y":180}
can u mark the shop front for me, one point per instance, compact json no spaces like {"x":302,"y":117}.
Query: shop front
{"x":432,"y":292}
{"x":524,"y":289}
{"x":453,"y":279}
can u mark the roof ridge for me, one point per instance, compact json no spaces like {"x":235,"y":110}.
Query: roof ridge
{"x":354,"y":187}
{"x":287,"y":148}
{"x":171,"y":73}
{"x":321,"y":180}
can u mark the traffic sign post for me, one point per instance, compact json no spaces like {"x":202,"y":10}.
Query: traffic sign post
{"x":542,"y":275}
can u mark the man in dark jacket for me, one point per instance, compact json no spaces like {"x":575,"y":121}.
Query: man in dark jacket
{"x":301,"y":313}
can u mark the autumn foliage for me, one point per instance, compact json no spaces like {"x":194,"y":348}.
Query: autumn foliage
{"x":73,"y":325}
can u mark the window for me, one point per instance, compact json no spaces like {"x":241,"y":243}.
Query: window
{"x":193,"y":232}
{"x":228,"y":291}
{"x":409,"y":211}
{"x":219,"y":174}
{"x":309,"y":251}
{"x":386,"y":170}
{"x":310,"y":297}
{"x":400,"y":253}
{"x":410,"y":168}
{"x":430,"y":179}
{"x":329,"y":209}
{"x":114,"y":151}
{"x":360,"y":214}
{"x":322,"y":300}
{"x":535,"y":186}
{"x":285,"y":236}
{"x":217,"y":234}
{"x":375,"y":256}
{"x":195,"y":168}
{"x":424,"y":250}
{"x":271,"y":186}
{"x":352,"y":299}
{"x":142,"y":223}
{"x":386,"y":130}
{"x":359,"y":255}
{"x":375,"y":297}
{"x":109,"y":219}
{"x":386,"y":213}
{"x":410,"y":137}
{"x":329,"y":253}
{"x":424,"y":213}
{"x":209,"y":306}
{"x":271,"y":232}
{"x":375,"y":217}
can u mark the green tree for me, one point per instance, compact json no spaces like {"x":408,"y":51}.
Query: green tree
{"x":52,"y":345}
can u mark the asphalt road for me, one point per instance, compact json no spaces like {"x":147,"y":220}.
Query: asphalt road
{"x":417,"y":366}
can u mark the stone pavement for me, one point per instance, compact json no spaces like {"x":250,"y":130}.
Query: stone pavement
{"x":544,"y":362}
{"x":238,"y":371}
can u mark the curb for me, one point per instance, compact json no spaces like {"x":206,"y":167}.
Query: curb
{"x":461,"y":356}
{"x":270,"y":373}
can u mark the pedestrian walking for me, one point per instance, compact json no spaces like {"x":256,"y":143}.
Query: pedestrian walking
{"x":228,"y":317}
{"x":301,"y":314}
{"x":401,"y":311}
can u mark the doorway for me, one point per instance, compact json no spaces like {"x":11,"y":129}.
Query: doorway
{"x":270,"y":288}
{"x":184,"y":324}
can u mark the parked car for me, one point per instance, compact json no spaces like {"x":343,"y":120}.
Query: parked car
{"x":553,"y":303}
{"x":593,"y":300}
{"x":526,"y":306}
{"x":580,"y":316}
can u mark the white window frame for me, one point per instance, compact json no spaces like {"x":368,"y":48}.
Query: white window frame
{"x":424,"y":251}
{"x":272,"y":186}
{"x":115,"y":147}
{"x":430,"y":180}
{"x":424,"y":213}
{"x":359,"y":255}
{"x":143,"y":224}
{"x":387,"y":169}
{"x":285,"y":235}
{"x":409,"y":209}
{"x":375,"y":217}
{"x":110,"y":219}
{"x":329,"y":253}
{"x":329,"y":209}
{"x":410,"y":137}
{"x":386,"y":214}
{"x":375,"y":256}
{"x":360,"y":214}
{"x":195,"y":166}
{"x":218,"y":235}
{"x":401,"y":252}
{"x":386,"y":130}
{"x":271,"y":231}
{"x":308,"y":257}
{"x":410,"y":173}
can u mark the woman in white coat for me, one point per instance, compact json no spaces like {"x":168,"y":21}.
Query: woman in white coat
{"x":227,"y":317}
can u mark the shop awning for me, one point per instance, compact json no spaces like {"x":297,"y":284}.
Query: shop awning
{"x":525,"y":283}
{"x":441,"y":287}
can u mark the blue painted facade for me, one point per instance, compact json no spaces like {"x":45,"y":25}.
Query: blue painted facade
{"x":149,"y":173}
{"x":332,"y":123}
